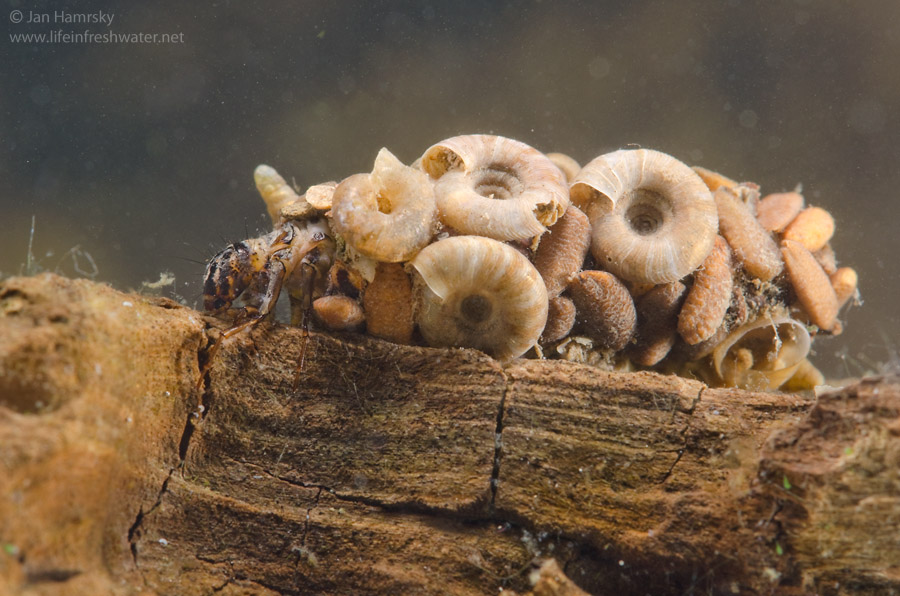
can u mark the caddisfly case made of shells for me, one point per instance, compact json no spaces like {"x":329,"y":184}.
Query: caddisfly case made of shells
{"x":635,"y":260}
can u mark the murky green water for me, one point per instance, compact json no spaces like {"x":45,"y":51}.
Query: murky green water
{"x":137,"y":158}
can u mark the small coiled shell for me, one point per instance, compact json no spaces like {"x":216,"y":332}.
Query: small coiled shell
{"x":388,"y":215}
{"x":762,"y":354}
{"x":495,"y":187}
{"x":653,"y":218}
{"x":475,"y":292}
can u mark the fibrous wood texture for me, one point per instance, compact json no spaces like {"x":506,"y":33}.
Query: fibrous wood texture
{"x":406,"y":470}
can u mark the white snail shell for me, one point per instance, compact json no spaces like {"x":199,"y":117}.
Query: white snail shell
{"x":475,"y":292}
{"x":653,"y":218}
{"x":495,"y":187}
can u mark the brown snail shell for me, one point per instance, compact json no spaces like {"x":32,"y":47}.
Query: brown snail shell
{"x":475,"y":292}
{"x":653,"y":218}
{"x":495,"y":187}
{"x":388,"y":215}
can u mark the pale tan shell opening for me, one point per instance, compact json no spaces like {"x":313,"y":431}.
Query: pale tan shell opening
{"x":495,"y":187}
{"x":762,"y":354}
{"x":388,"y":215}
{"x":475,"y":292}
{"x":653,"y":218}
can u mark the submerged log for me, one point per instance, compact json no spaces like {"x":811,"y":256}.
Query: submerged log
{"x":390,"y":469}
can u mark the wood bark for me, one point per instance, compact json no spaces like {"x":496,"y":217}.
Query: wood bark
{"x":340,"y":464}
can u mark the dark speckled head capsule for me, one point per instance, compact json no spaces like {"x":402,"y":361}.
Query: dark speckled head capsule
{"x":227,"y":275}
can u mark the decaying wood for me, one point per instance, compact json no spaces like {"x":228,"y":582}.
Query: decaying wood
{"x":405,"y":470}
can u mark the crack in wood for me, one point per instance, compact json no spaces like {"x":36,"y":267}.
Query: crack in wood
{"x":684,"y":431}
{"x":134,"y":535}
{"x":203,"y":355}
{"x":498,"y":444}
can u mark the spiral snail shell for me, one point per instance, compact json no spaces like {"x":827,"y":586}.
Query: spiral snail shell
{"x":496,"y":187}
{"x":388,"y":215}
{"x":478,"y":293}
{"x":653,"y":218}
{"x":763,"y":353}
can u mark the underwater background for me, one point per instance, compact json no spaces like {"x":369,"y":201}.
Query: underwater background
{"x":137,"y":158}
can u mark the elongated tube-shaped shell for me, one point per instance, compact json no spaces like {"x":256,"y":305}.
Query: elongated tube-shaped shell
{"x":777,"y":210}
{"x":844,"y":282}
{"x":563,"y":249}
{"x":712,"y":179}
{"x":388,"y":215}
{"x":762,"y":354}
{"x":709,"y":297}
{"x":811,"y":284}
{"x":657,"y":312}
{"x":273,"y":189}
{"x":752,"y":244}
{"x":568,"y":165}
{"x":826,"y":258}
{"x":813,"y":228}
{"x":495,"y":187}
{"x":560,"y":319}
{"x":475,"y":292}
{"x":339,"y":313}
{"x":652,"y":217}
{"x":388,"y":303}
{"x":604,"y":308}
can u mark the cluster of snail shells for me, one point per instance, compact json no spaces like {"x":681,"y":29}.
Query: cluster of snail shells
{"x":634,"y":260}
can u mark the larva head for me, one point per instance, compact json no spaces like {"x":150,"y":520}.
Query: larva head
{"x":231,"y":272}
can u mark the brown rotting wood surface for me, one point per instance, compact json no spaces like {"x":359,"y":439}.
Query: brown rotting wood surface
{"x":406,"y":470}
